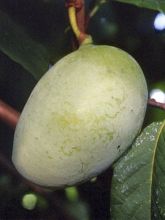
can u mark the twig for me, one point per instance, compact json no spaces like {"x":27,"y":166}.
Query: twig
{"x":8,"y":114}
{"x":154,"y":103}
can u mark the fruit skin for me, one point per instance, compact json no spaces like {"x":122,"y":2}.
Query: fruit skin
{"x":81,"y":116}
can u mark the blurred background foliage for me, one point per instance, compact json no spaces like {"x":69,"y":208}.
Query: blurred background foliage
{"x":35,"y":35}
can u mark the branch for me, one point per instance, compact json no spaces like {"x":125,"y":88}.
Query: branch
{"x":8,"y":114}
{"x":154,"y":103}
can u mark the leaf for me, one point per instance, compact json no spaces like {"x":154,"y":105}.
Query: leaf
{"x":151,"y":4}
{"x":17,"y":44}
{"x":138,"y":183}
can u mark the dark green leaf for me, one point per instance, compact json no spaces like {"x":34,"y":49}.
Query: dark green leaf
{"x":138,"y":183}
{"x":152,"y":4}
{"x":17,"y":44}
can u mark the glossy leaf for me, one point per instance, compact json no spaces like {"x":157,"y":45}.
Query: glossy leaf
{"x":18,"y":46}
{"x":151,"y":4}
{"x":138,"y":183}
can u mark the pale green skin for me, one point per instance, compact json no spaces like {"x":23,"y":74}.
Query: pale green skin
{"x":81,"y":116}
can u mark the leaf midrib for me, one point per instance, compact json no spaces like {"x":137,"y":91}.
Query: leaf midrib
{"x":153,"y":161}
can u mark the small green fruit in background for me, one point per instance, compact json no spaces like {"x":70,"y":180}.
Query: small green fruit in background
{"x":81,"y":116}
{"x":29,"y":201}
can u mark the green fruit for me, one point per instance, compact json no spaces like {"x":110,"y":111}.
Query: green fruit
{"x":81,"y":116}
{"x":29,"y":201}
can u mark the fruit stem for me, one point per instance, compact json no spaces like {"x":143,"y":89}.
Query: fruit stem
{"x":75,"y":13}
{"x":73,"y":21}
